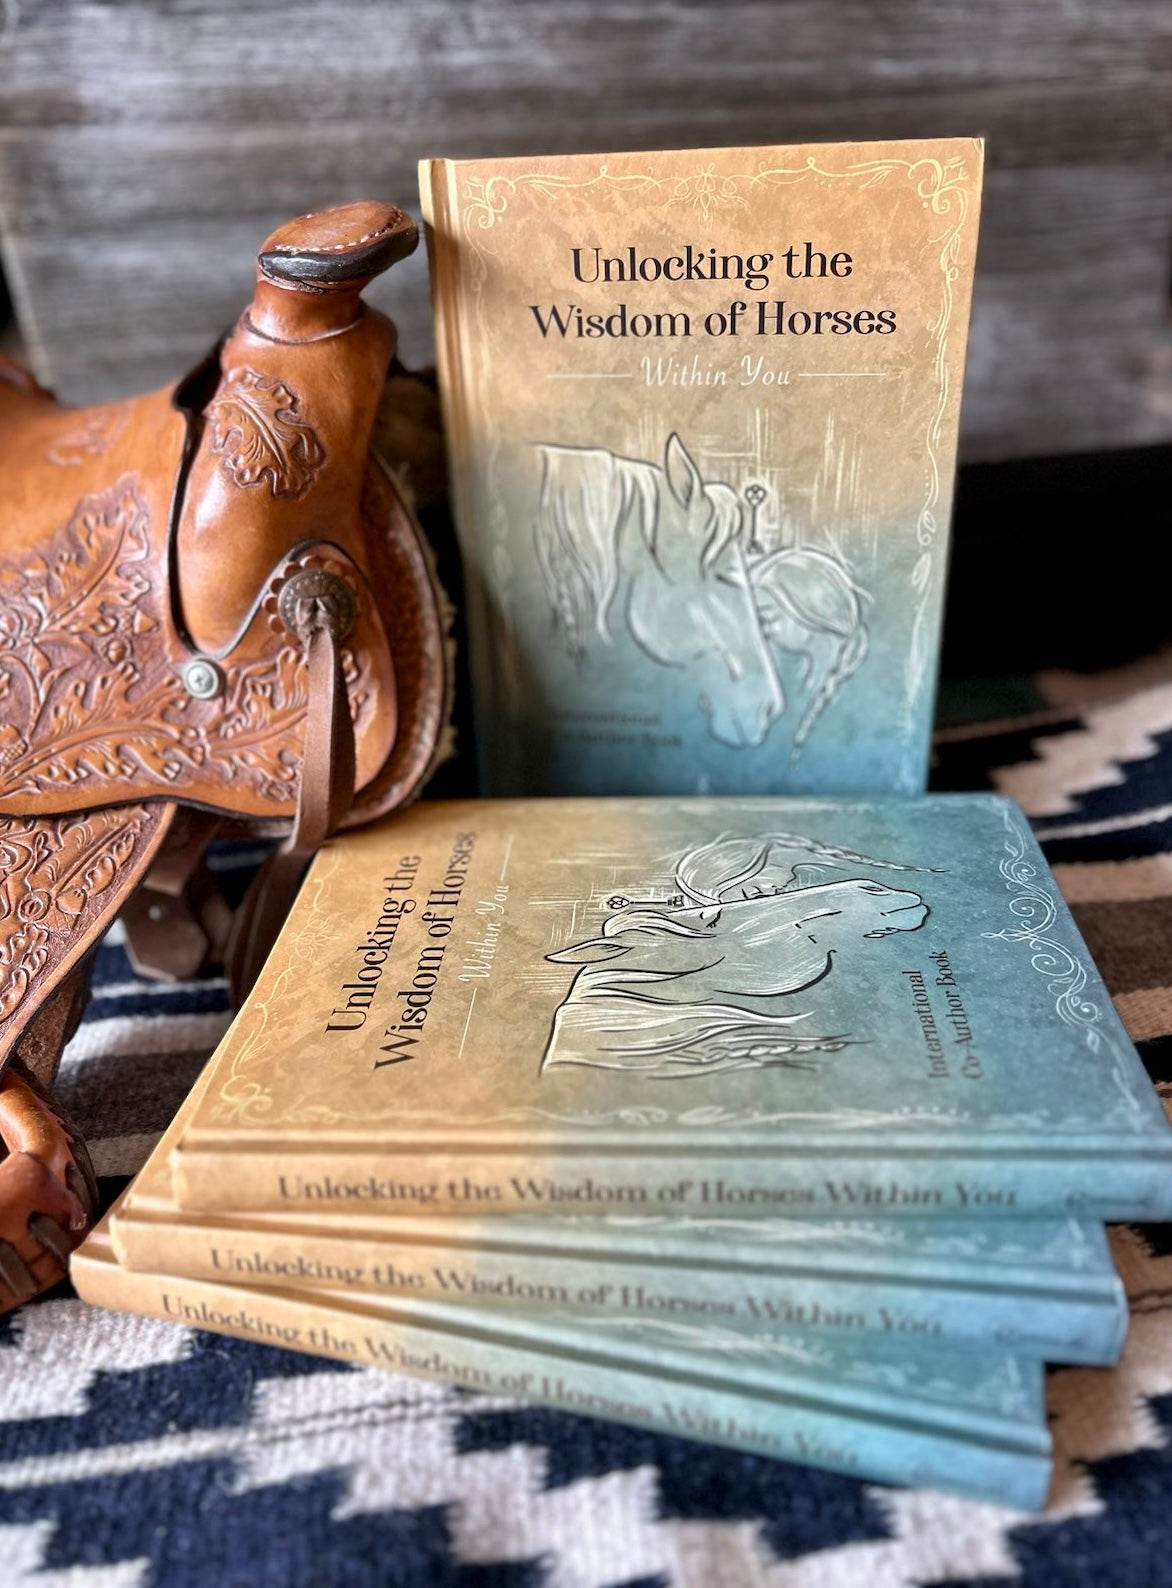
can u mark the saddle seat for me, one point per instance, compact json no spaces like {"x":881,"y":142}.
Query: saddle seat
{"x":217,"y":614}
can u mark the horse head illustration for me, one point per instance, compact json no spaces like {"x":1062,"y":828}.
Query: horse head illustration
{"x":663,"y":548}
{"x":675,"y":562}
{"x":690,"y":988}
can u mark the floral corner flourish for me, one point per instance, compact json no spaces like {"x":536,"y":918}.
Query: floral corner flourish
{"x":1034,"y":908}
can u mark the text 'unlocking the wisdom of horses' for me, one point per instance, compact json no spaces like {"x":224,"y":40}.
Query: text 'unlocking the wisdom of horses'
{"x":758,"y":316}
{"x":414,"y":997}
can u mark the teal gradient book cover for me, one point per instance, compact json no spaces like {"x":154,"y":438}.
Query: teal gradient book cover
{"x":1036,"y":1287}
{"x":971,"y":1422}
{"x":702,"y":408}
{"x":811,"y":1007}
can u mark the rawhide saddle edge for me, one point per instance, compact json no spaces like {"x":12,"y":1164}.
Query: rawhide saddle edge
{"x":217,"y":616}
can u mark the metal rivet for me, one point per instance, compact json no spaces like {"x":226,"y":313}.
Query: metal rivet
{"x":203,"y":678}
{"x":315,"y":598}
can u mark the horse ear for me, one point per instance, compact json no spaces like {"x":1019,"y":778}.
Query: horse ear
{"x":682,"y":474}
{"x":595,"y":951}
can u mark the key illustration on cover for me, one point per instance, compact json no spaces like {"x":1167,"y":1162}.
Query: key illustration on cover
{"x":708,"y":978}
{"x":762,"y":636}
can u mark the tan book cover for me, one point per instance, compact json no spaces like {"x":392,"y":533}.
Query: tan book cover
{"x":702,"y":411}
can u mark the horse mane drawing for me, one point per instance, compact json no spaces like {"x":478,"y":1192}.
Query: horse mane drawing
{"x":711,"y":979}
{"x":588,"y":495}
{"x":803,"y":595}
{"x":662,"y":556}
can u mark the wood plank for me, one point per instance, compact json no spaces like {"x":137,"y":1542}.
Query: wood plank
{"x":145,"y":149}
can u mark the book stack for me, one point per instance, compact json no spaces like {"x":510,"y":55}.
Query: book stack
{"x":784,"y":1123}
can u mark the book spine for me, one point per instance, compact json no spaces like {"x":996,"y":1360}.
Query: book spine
{"x":798,"y":1183}
{"x":795,"y":1431}
{"x":440,"y":205}
{"x":437,"y":188}
{"x":1063,"y":1327}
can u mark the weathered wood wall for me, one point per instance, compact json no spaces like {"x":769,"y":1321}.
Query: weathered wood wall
{"x":146,"y":146}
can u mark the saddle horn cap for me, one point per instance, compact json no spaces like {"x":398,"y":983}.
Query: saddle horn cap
{"x":311,"y":271}
{"x":337,"y":250}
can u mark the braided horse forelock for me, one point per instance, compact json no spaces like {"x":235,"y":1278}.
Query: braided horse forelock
{"x":847,"y":660}
{"x":815,"y":591}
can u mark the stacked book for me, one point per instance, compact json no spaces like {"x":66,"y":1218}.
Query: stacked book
{"x":783,"y":1123}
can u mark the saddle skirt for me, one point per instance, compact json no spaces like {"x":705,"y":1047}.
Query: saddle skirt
{"x":216,"y":609}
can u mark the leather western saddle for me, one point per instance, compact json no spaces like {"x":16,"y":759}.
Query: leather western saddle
{"x":217,"y":615}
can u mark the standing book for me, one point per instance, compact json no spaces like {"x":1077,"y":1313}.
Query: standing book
{"x":702,"y":410}
{"x":835,"y":1008}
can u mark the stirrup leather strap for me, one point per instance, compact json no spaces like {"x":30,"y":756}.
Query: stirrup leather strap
{"x":320,"y":610}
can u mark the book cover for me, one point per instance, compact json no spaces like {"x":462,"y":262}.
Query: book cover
{"x":976,"y":1427}
{"x":1037,"y":1288}
{"x":844,"y":1008}
{"x":702,"y":410}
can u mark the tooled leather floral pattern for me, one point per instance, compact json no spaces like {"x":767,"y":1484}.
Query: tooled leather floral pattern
{"x":91,"y":694}
{"x":95,"y":433}
{"x":261,"y":435}
{"x":52,"y":870}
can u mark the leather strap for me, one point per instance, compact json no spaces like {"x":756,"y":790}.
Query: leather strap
{"x":178,"y":922}
{"x":327,"y":769}
{"x":320,"y":611}
{"x":39,"y":1048}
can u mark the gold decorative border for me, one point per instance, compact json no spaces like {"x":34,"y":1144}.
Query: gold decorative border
{"x":241,"y":1100}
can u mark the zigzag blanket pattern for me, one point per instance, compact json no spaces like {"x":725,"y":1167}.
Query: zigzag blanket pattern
{"x":134,"y":1454}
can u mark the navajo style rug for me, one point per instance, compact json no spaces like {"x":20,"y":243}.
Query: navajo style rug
{"x":133,"y":1453}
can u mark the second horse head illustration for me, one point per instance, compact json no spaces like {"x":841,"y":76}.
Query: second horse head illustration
{"x":711,"y":979}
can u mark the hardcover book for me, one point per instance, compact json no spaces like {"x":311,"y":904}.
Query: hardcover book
{"x":815,"y":1007}
{"x":1034,"y":1287}
{"x":702,"y":410}
{"x":1039,"y":1288}
{"x":969,"y":1422}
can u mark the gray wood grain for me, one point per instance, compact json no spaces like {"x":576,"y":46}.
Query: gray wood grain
{"x":146,"y":148}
